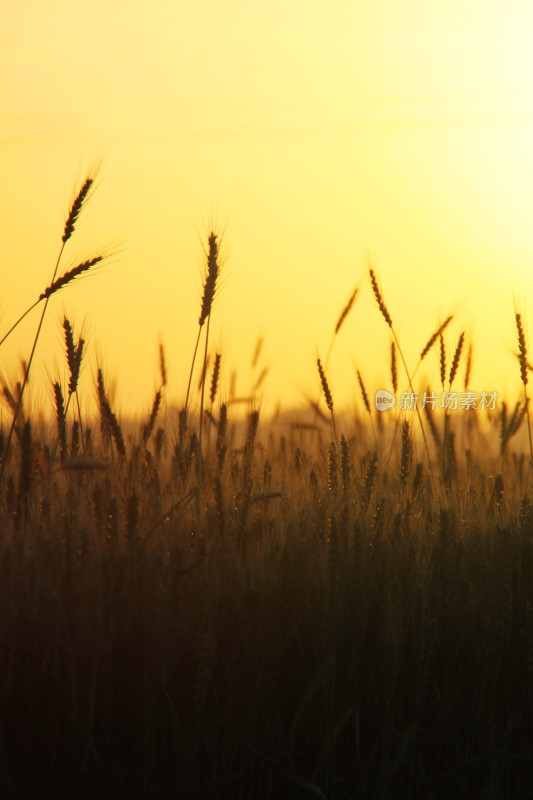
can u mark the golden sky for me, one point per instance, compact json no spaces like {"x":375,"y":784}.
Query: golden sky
{"x":316,"y":135}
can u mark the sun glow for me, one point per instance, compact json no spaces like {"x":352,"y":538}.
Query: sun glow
{"x":322,"y":134}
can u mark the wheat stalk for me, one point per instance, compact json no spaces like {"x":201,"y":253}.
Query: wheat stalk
{"x":61,"y":420}
{"x":211,"y":275}
{"x":77,"y":206}
{"x":108,"y":420}
{"x":431,"y":341}
{"x":55,"y":285}
{"x":522,"y":361}
{"x":456,"y":359}
{"x":388,"y":319}
{"x":149,"y":427}
{"x":393,"y":367}
{"x":468,"y":368}
{"x":405,"y":461}
{"x":327,"y":393}
{"x":215,"y":378}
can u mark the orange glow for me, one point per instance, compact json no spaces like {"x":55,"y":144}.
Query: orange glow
{"x":318,"y":136}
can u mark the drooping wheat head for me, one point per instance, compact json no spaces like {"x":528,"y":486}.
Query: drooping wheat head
{"x":433,"y":338}
{"x":346,"y":310}
{"x":379,"y":298}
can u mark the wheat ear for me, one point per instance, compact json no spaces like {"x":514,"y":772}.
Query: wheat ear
{"x":70,"y":224}
{"x":388,"y":319}
{"x":327,"y":393}
{"x":211,"y":276}
{"x":522,"y":361}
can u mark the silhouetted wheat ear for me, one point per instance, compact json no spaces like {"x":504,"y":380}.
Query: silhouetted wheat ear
{"x":345,"y":311}
{"x":10,"y":399}
{"x":508,"y":428}
{"x":162,"y":365}
{"x":456,"y":358}
{"x":210,"y":281}
{"x":522,"y":360}
{"x":74,"y":355}
{"x":149,"y":427}
{"x":257,"y":352}
{"x":364,"y":392}
{"x":442,"y":360}
{"x":406,"y":453}
{"x":516,"y":420}
{"x":205,"y":365}
{"x":325,"y":386}
{"x":468,"y":368}
{"x":503,"y":426}
{"x":70,"y":276}
{"x":522,"y":350}
{"x":102,"y":403}
{"x":69,"y":344}
{"x":109,"y":423}
{"x":76,"y":208}
{"x":379,"y":298}
{"x":214,"y":378}
{"x":345,"y":464}
{"x":433,"y":338}
{"x":61,"y":420}
{"x":393,"y":367}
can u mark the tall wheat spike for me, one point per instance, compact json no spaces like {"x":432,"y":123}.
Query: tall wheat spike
{"x":388,"y":319}
{"x":522,"y":361}
{"x":456,"y":358}
{"x":56,"y":285}
{"x":393,"y":367}
{"x":210,"y":283}
{"x":328,"y":397}
{"x":211,"y":276}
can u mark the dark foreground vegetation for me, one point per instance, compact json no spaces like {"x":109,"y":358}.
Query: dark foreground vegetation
{"x":196,"y":607}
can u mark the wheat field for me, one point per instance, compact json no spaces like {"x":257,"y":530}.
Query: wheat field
{"x":210,"y":603}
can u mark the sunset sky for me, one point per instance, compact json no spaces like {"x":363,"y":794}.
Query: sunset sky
{"x":316,"y":136}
